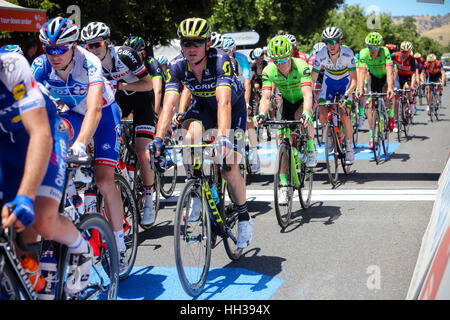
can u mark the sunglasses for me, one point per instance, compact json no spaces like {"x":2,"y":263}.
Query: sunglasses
{"x":59,"y":50}
{"x":280,"y":61}
{"x":95,"y":45}
{"x":331,"y":42}
{"x":195,"y":43}
{"x":373,"y":48}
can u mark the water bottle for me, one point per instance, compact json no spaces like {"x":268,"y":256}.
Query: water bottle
{"x":32,"y":271}
{"x":49,"y":268}
{"x":90,"y":200}
{"x":214,"y":193}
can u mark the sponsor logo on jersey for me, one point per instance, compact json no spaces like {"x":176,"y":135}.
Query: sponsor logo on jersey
{"x":19,"y":91}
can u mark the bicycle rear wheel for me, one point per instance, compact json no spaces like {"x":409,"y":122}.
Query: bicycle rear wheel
{"x":130,"y":220}
{"x":168,"y":179}
{"x":104,"y":278}
{"x":192,"y":239}
{"x":230,"y":219}
{"x":305,"y":176}
{"x":283,"y":201}
{"x":331,"y":154}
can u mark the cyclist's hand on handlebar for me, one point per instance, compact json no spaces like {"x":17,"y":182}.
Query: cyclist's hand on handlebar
{"x":21,"y":208}
{"x":307,"y":118}
{"x":157,"y":148}
{"x":390,"y":94}
{"x":178,"y":118}
{"x":259,"y":119}
{"x":223,"y":149}
{"x":78,"y":149}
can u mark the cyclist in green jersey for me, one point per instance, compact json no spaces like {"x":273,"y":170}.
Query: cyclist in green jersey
{"x":379,"y":65}
{"x":292,"y":76}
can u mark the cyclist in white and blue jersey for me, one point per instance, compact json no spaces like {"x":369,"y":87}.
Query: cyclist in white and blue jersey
{"x":74,"y":76}
{"x":241,"y":68}
{"x":33,"y":150}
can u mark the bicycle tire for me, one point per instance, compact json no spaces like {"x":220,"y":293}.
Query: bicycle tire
{"x":183,"y":231}
{"x":385,"y":132}
{"x":407,"y":119}
{"x":283,"y":212}
{"x":377,"y":138}
{"x":400,"y":120}
{"x":305,"y":176}
{"x":94,"y":225}
{"x":168,"y":179}
{"x":9,"y":288}
{"x":331,"y":156}
{"x":230,"y":219}
{"x":130,"y":221}
{"x":140,"y":195}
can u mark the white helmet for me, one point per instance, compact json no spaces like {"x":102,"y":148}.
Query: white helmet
{"x":291,"y":39}
{"x":94,"y":30}
{"x":58,"y":31}
{"x":162,"y":60}
{"x":332,"y":33}
{"x":216,"y":39}
{"x":258,"y":53}
{"x":318,"y":46}
{"x":228,"y":43}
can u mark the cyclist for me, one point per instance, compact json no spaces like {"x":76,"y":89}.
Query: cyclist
{"x":123,"y":67}
{"x":216,"y":40}
{"x":419,"y":67}
{"x":340,"y":77}
{"x":433,"y":71}
{"x":360,"y":67}
{"x":295,"y":52}
{"x":153,"y":67}
{"x":219,"y":104}
{"x":241,"y":68}
{"x":377,"y":63}
{"x":318,"y":85}
{"x":406,"y":74}
{"x":33,"y":151}
{"x":257,"y":67}
{"x":293,"y":78}
{"x":74,"y":76}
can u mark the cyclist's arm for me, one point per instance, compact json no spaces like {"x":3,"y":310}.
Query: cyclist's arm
{"x":157,"y":88}
{"x":353,"y":83}
{"x":223,"y":95}
{"x":314,"y":76}
{"x":171,"y":101}
{"x":389,"y":78}
{"x":264,"y":103}
{"x":144,"y":84}
{"x":93,"y":114}
{"x":248,"y":90}
{"x":185,"y":100}
{"x":307,"y":99}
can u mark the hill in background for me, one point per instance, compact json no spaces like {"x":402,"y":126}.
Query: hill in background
{"x":435,"y":27}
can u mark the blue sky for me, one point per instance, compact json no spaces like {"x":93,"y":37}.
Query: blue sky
{"x":404,"y":7}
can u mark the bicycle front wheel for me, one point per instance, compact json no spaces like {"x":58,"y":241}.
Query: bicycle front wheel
{"x":332,"y":154}
{"x":104,"y":278}
{"x":192,"y":239}
{"x":377,"y":138}
{"x":283,"y":185}
{"x":305,"y":176}
{"x":168,"y":179}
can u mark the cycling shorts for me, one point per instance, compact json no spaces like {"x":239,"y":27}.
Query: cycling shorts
{"x":401,"y":80}
{"x":377,"y":84}
{"x":208,"y":118}
{"x":142,"y":106}
{"x":12,"y":164}
{"x":106,"y":137}
{"x":433,"y":78}
{"x":330,"y":87}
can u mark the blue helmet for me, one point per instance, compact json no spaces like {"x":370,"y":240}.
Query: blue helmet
{"x":162,"y":60}
{"x":13,"y":48}
{"x":58,"y":31}
{"x":228,"y":43}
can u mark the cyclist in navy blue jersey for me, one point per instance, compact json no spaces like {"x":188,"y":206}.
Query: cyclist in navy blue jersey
{"x":219,"y":104}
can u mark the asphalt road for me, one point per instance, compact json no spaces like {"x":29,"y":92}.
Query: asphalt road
{"x":357,"y":241}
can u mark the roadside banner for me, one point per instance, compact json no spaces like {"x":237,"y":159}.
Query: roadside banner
{"x":17,"y":18}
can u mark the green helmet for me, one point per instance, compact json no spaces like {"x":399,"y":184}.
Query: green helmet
{"x":279,"y":47}
{"x":374,"y":39}
{"x":194,"y":28}
{"x":137,"y":43}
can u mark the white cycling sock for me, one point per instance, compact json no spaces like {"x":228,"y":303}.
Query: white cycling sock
{"x":79,"y":246}
{"x":120,"y":240}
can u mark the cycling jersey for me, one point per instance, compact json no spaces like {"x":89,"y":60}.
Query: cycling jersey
{"x":419,"y":63}
{"x":404,"y":67}
{"x":344,"y":64}
{"x":290,"y":87}
{"x":377,"y":66}
{"x":126,"y":65}
{"x":154,"y":68}
{"x":218,"y":72}
{"x":241,"y":66}
{"x":435,"y":69}
{"x":86,"y":71}
{"x":300,"y":55}
{"x":19,"y":93}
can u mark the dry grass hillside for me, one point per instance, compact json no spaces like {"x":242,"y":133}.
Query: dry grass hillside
{"x":435,"y":27}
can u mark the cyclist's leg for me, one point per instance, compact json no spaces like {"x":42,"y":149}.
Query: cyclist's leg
{"x":253,"y":139}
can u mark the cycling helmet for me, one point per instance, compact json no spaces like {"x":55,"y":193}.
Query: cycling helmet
{"x":94,"y":30}
{"x":374,"y":39}
{"x":318,"y":46}
{"x":228,"y":43}
{"x":137,"y":43}
{"x":279,"y":47}
{"x":357,"y":56}
{"x":162,"y":60}
{"x":13,"y":48}
{"x":417,"y":55}
{"x":216,"y":39}
{"x":332,"y":33}
{"x":194,"y":28}
{"x":431,"y":57}
{"x":292,"y":39}
{"x":58,"y":31}
{"x":258,"y":53}
{"x":406,"y":46}
{"x":391,"y":47}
